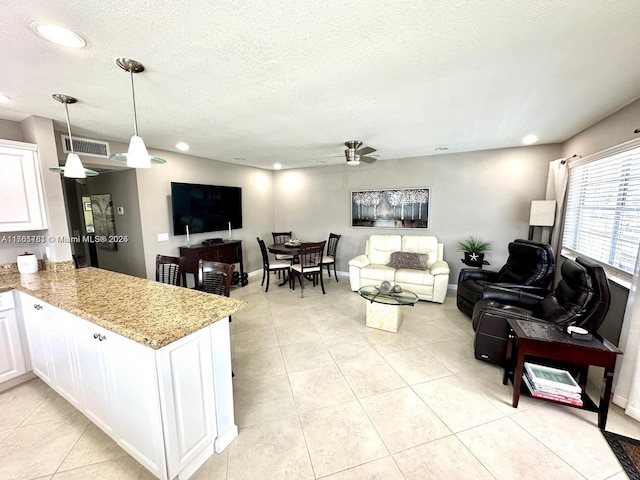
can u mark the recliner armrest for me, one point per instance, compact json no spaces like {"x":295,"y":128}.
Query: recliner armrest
{"x":511,"y":297}
{"x":477,"y":275}
{"x":440,"y":268}
{"x":360,"y":261}
{"x":538,"y":291}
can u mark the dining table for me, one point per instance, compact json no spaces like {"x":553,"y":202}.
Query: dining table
{"x":283,"y":249}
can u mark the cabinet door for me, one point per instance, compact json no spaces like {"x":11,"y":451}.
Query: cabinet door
{"x":37,"y":329}
{"x":99,"y":400}
{"x":22,"y":206}
{"x":187,"y":396}
{"x":12,"y":363}
{"x":137,"y":427}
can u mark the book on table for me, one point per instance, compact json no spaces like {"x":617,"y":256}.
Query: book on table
{"x":551,"y":379}
{"x":566,"y":397}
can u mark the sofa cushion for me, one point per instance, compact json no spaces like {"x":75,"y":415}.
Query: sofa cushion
{"x":414,"y":277}
{"x":421,"y":244}
{"x":380,"y":247}
{"x":378,"y":273}
{"x":414,"y":261}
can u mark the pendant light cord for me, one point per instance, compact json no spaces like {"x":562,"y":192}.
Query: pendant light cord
{"x":133,"y":95}
{"x":66,"y":111}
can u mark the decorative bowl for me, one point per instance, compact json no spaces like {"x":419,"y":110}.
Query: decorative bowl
{"x":293,"y":242}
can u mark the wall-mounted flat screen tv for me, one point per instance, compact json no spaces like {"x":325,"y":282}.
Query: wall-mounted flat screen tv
{"x":205,"y":208}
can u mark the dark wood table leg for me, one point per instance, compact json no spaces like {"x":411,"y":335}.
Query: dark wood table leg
{"x":605,"y":397}
{"x":517,"y":376}
{"x":508,"y":357}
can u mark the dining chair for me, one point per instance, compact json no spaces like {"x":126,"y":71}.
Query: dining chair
{"x":170,"y":270}
{"x":281,"y":237}
{"x":80,"y":261}
{"x":214,"y":277}
{"x":310,"y":265}
{"x":330,"y":258}
{"x":268,"y":267}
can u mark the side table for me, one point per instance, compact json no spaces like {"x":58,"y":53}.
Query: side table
{"x":383,"y":310}
{"x":528,"y":338}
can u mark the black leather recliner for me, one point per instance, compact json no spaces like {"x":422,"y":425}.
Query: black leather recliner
{"x":530,"y":264}
{"x":581,"y":298}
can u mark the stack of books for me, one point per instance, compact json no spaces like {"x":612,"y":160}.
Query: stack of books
{"x":552,"y":384}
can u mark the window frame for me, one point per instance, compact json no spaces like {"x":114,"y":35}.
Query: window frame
{"x":615,"y":274}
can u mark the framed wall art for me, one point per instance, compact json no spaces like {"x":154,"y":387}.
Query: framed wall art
{"x":390,"y":208}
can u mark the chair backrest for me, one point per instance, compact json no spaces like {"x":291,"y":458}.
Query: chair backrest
{"x":281,"y":237}
{"x":311,"y":255}
{"x":597,"y":309}
{"x":214,"y":277}
{"x":80,"y":261}
{"x":568,"y":302}
{"x":263,"y":251}
{"x":170,"y":269}
{"x":529,"y":263}
{"x":332,"y":244}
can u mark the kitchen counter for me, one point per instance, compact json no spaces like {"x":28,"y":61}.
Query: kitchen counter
{"x":145,"y":311}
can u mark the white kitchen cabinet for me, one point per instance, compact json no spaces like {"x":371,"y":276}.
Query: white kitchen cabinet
{"x":12,"y":358}
{"x":22,"y":205}
{"x":158,"y":405}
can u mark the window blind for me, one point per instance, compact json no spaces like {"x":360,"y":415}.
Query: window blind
{"x":602,"y":219}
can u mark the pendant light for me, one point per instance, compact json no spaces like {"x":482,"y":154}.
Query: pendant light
{"x":73,"y":166}
{"x":137,"y":155}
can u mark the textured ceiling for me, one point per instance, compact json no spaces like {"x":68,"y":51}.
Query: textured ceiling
{"x":291,"y":81}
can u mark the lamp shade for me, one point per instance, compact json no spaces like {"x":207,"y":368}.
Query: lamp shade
{"x":73,"y":167}
{"x":137,"y":155}
{"x":543,"y":213}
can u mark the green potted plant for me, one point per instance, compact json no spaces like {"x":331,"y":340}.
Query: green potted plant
{"x":474,"y":249}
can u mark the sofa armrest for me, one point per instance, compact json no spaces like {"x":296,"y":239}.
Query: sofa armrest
{"x":360,"y":261}
{"x":477,"y":275}
{"x":511,"y":297}
{"x":440,"y":268}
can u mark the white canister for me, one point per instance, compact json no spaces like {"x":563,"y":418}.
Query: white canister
{"x":27,"y":263}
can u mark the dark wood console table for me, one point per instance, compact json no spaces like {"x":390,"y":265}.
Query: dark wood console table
{"x":227,"y":251}
{"x":549,"y":341}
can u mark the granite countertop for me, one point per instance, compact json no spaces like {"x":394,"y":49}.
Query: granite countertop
{"x":148,"y":312}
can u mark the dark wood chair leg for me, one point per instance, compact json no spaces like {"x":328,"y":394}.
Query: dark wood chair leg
{"x":268,"y":278}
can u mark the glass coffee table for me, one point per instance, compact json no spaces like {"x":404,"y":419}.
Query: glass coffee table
{"x":382,"y":308}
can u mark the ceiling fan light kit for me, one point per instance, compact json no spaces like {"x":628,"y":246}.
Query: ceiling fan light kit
{"x":354,"y":154}
{"x":137,"y":156}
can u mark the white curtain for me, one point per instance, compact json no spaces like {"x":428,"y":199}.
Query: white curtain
{"x":627,"y":379}
{"x":556,"y":190}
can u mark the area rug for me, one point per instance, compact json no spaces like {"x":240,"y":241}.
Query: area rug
{"x":628,"y":452}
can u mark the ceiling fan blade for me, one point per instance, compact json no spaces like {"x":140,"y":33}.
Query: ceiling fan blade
{"x":368,"y":159}
{"x":366,"y":151}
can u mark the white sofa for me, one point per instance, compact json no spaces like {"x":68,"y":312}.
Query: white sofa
{"x":372,"y":269}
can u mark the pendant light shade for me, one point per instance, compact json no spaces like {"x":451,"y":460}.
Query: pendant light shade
{"x":137,"y":156}
{"x":73,"y":166}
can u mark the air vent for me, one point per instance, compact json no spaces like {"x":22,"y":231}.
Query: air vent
{"x":85,"y":146}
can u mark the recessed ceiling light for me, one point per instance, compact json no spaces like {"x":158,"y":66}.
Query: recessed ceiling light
{"x":57,"y":34}
{"x":277,"y":166}
{"x":442,"y":149}
{"x":182,"y":146}
{"x":529,"y":139}
{"x":4,"y":98}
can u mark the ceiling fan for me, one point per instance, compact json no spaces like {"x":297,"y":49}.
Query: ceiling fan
{"x":354,"y":154}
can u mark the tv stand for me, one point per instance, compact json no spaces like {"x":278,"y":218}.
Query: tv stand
{"x":226,"y":251}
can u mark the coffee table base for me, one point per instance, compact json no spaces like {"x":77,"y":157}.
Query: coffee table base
{"x":384,"y":317}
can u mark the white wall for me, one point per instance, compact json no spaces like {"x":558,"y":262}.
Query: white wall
{"x":486,"y":193}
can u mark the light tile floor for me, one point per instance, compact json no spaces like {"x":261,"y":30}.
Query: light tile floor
{"x":319,"y":395}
